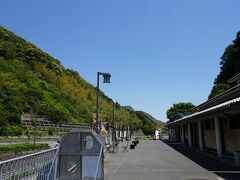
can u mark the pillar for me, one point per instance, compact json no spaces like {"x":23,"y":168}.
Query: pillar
{"x":200,"y":135}
{"x":110,"y":135}
{"x":182,"y":133}
{"x":189,"y":135}
{"x":218,"y":136}
{"x":169,"y":134}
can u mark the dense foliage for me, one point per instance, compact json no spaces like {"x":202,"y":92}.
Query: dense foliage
{"x":180,"y":110}
{"x":22,"y":148}
{"x":33,"y":81}
{"x":229,"y":67}
{"x":150,"y":124}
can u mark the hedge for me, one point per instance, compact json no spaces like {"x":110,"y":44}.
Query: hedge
{"x":23,"y":147}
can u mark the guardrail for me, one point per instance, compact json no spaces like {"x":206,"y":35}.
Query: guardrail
{"x":80,"y":155}
{"x":37,"y":166}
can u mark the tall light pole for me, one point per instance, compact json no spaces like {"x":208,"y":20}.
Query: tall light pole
{"x":106,"y":79}
{"x":113,"y":124}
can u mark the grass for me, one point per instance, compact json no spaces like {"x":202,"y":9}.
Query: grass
{"x":22,"y":147}
{"x":4,"y":139}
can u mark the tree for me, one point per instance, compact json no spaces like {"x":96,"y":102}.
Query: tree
{"x":230,"y":61}
{"x":229,"y":67}
{"x":32,"y":80}
{"x":3,"y":123}
{"x":136,"y":124}
{"x":35,"y":129}
{"x":218,"y":89}
{"x":27,"y":132}
{"x":148,"y":129}
{"x":17,"y":130}
{"x":179,"y":110}
{"x":51,"y":131}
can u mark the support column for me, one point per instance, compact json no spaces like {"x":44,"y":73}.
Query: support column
{"x":129,"y":133}
{"x":169,"y":134}
{"x":125,"y":132}
{"x":182,"y":134}
{"x":200,"y":135}
{"x":218,"y":136}
{"x":189,"y":135}
{"x":110,"y":135}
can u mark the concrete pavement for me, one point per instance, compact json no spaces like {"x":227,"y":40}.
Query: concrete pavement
{"x":222,"y":166}
{"x":153,"y":160}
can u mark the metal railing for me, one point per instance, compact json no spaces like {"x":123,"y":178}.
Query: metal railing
{"x":98,"y":164}
{"x":37,"y":166}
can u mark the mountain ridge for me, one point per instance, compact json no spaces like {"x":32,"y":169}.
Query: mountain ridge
{"x":31,"y":80}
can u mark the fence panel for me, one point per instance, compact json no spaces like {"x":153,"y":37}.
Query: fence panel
{"x":37,"y":166}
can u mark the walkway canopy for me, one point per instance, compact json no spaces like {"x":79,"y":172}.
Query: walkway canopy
{"x":228,"y":107}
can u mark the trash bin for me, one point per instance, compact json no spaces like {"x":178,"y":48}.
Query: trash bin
{"x":237,"y":158}
{"x":81,"y":156}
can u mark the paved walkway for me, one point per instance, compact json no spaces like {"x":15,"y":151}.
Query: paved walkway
{"x":223,"y":166}
{"x":153,"y":160}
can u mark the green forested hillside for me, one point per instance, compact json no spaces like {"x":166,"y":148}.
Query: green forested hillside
{"x":229,"y":67}
{"x":33,"y":81}
{"x":150,"y":124}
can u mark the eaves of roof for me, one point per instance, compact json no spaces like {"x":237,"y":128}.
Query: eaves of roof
{"x":223,"y":97}
{"x":227,"y":103}
{"x":234,"y":79}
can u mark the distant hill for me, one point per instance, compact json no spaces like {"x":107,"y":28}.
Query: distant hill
{"x":129,"y":108}
{"x":149,"y":123}
{"x":33,"y":81}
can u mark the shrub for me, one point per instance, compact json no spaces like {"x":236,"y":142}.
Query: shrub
{"x":52,"y":131}
{"x":23,"y":147}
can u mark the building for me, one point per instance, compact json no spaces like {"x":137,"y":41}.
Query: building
{"x":216,"y":124}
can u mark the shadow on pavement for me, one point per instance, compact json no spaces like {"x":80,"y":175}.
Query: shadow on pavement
{"x":223,"y":167}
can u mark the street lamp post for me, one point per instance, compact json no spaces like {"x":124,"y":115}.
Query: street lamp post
{"x":106,"y":79}
{"x":113,"y":124}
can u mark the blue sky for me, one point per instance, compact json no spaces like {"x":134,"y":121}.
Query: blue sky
{"x":159,"y":52}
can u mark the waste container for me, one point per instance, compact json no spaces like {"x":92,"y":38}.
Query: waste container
{"x":237,"y":158}
{"x":81,"y":156}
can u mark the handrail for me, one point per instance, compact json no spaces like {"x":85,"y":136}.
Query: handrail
{"x":38,"y":165}
{"x":26,"y":156}
{"x":98,"y":164}
{"x":55,"y":162}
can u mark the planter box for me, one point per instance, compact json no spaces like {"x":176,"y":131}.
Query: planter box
{"x":132,"y":146}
